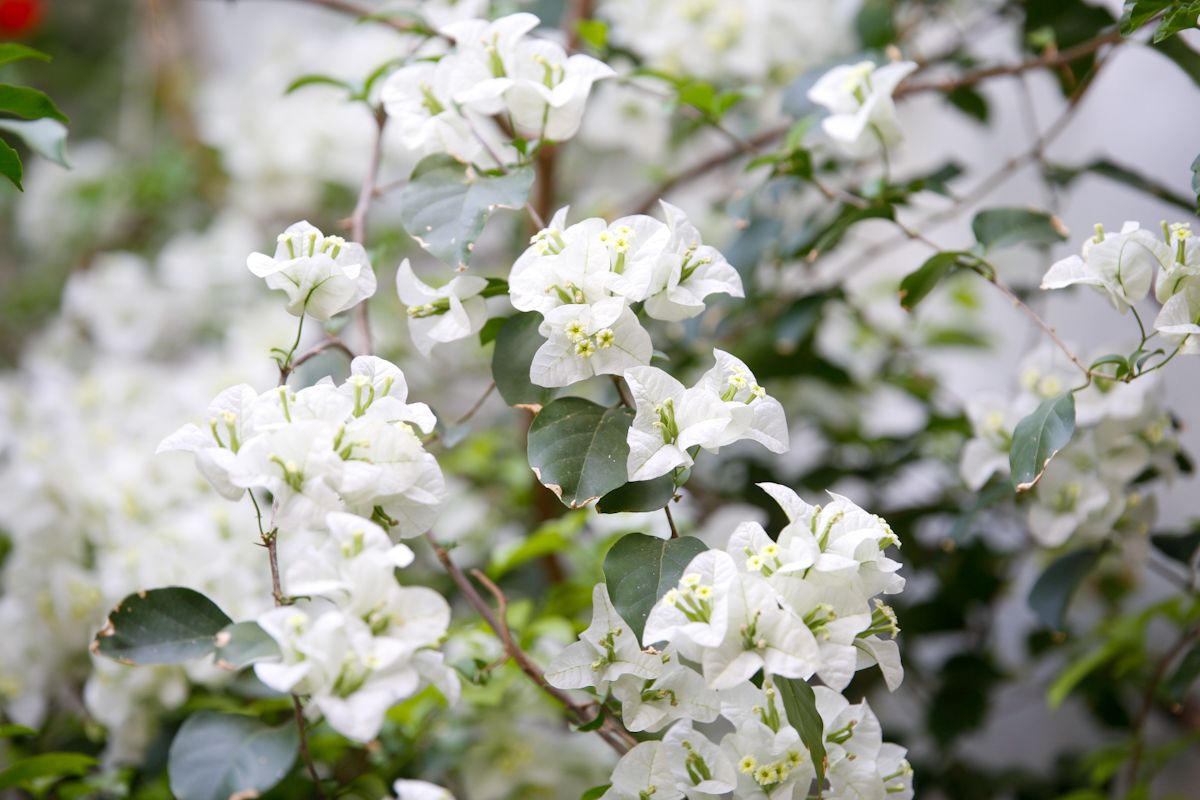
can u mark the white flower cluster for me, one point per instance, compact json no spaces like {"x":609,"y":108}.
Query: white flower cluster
{"x":584,"y":278}
{"x":1124,"y":266}
{"x":352,"y":447}
{"x":1092,"y":488}
{"x":802,"y":605}
{"x":362,"y":642}
{"x":755,"y":40}
{"x":333,"y":458}
{"x":446,"y":104}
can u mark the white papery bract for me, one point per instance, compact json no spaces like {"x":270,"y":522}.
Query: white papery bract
{"x":862,"y":115}
{"x":419,"y":790}
{"x":585,"y":340}
{"x":725,"y":406}
{"x":1121,"y":265}
{"x":605,"y":652}
{"x":321,"y":275}
{"x":445,"y":314}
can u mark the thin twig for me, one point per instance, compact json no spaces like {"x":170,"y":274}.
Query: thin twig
{"x":298,"y":708}
{"x":358,"y":219}
{"x":478,"y":404}
{"x":671,"y":520}
{"x":1184,"y":641}
{"x":365,"y":12}
{"x":615,"y":735}
{"x":622,"y":391}
{"x":331,"y":343}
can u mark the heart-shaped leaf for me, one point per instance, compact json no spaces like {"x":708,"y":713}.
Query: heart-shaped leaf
{"x":578,"y":449}
{"x":640,"y":569}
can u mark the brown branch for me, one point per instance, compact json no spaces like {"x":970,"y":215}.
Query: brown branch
{"x":332,"y":343}
{"x":671,"y":520}
{"x":615,"y":735}
{"x":1051,"y":59}
{"x":365,"y":12}
{"x":358,"y":219}
{"x":478,"y":404}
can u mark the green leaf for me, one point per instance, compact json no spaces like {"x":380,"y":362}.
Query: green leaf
{"x":21,"y":101}
{"x":1052,"y":592}
{"x":516,"y":342}
{"x":1181,"y":547}
{"x":1182,"y":54}
{"x":1139,"y":12}
{"x":318,"y":80}
{"x":1079,"y":669}
{"x":578,"y":450}
{"x":917,"y":285}
{"x":161,"y":626}
{"x":11,"y":731}
{"x":596,"y":792}
{"x":551,"y":536}
{"x":487,"y":334}
{"x":1182,"y":18}
{"x":10,"y":165}
{"x":1181,"y":680}
{"x":874,"y":24}
{"x":1116,"y":359}
{"x":1038,"y":438}
{"x":640,"y":569}
{"x":11,"y":51}
{"x":46,"y":137}
{"x":969,"y":101}
{"x":218,"y":756}
{"x":594,"y":32}
{"x":242,"y":644}
{"x":1106,"y":168}
{"x":44,"y":766}
{"x":648,"y":495}
{"x":445,"y":205}
{"x":995,"y":228}
{"x":800,"y":703}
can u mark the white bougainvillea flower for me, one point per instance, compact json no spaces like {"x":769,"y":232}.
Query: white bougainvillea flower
{"x":1121,"y":265}
{"x":446,"y":314}
{"x":884,"y":653}
{"x":1179,"y":319}
{"x":993,"y":419}
{"x":760,"y":635}
{"x":215,"y":449}
{"x":695,"y":614}
{"x":298,"y":465}
{"x":606,"y":651}
{"x":761,"y":708}
{"x":563,"y":265}
{"x":321,"y":275}
{"x":379,"y":390}
{"x":851,"y":729}
{"x":1183,"y":267}
{"x":585,"y":340}
{"x":645,"y":771}
{"x":672,"y":277}
{"x":1065,"y":498}
{"x":354,"y":566}
{"x":669,"y":420}
{"x":754,"y":414}
{"x":768,"y":766}
{"x":862,"y":115}
{"x":679,"y":692}
{"x":756,"y":552}
{"x":697,"y":764}
{"x":542,"y":89}
{"x":419,"y":790}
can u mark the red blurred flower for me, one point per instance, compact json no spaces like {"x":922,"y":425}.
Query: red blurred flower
{"x":19,"y":17}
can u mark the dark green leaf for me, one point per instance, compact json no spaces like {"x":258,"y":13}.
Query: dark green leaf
{"x":1181,"y":547}
{"x":317,"y":80}
{"x":995,"y":228}
{"x":242,"y":644}
{"x":21,"y":101}
{"x":1116,"y":359}
{"x":960,"y":703}
{"x":45,"y":766}
{"x":11,"y":51}
{"x":594,"y":724}
{"x":161,"y":626}
{"x":1105,"y":168}
{"x":969,"y":101}
{"x":10,"y":165}
{"x":648,"y":495}
{"x":640,"y":569}
{"x":917,"y":285}
{"x":874,"y":24}
{"x":218,"y":756}
{"x":445,"y":205}
{"x":1055,"y":587}
{"x":1139,"y":12}
{"x":1183,"y":55}
{"x":1038,"y":438}
{"x":1184,"y":676}
{"x":596,"y":792}
{"x":800,"y":703}
{"x":487,"y":334}
{"x":516,"y":342}
{"x":578,"y":450}
{"x":1182,"y":18}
